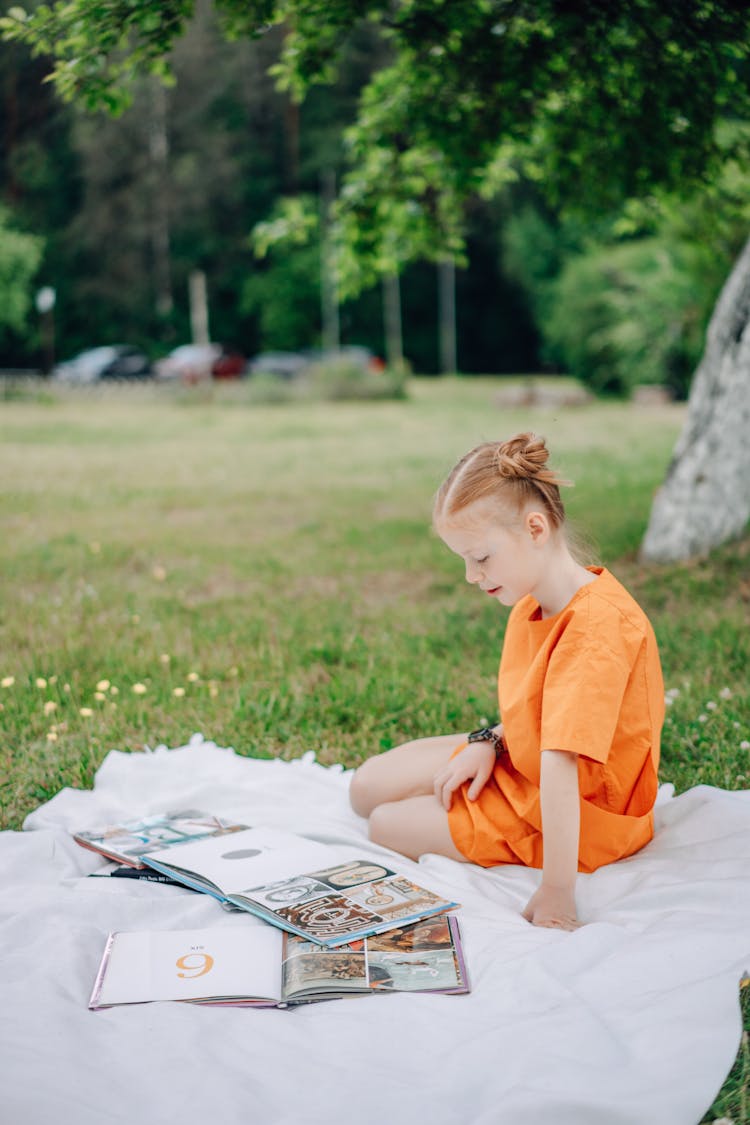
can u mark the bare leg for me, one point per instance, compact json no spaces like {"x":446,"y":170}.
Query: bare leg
{"x":414,"y":826}
{"x":406,"y":771}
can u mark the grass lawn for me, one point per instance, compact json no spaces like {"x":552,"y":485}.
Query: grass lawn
{"x":267,"y":575}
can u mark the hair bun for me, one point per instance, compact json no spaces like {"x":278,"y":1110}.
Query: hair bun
{"x":523,"y":457}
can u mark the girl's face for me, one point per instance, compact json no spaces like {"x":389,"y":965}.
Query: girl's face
{"x":505,"y":561}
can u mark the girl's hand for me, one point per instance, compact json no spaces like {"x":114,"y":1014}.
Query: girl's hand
{"x":474,"y":763}
{"x":554,"y":907}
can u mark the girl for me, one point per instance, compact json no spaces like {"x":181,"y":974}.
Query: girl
{"x":567,"y":781}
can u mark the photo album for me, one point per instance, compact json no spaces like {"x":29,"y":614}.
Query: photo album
{"x":129,"y":842}
{"x":263,"y":967}
{"x":319,"y":892}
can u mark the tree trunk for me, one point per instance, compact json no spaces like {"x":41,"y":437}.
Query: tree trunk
{"x":329,"y":304}
{"x":705,"y":498}
{"x":447,"y":316}
{"x":158,"y":147}
{"x":394,"y":345}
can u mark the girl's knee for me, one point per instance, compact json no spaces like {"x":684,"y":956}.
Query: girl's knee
{"x":361,"y":796}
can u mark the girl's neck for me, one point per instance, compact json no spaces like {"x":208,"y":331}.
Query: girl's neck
{"x":565,"y":578}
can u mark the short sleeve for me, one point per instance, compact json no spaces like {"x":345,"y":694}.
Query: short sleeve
{"x":584,"y":686}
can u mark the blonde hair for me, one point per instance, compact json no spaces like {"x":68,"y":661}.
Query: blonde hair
{"x":512,"y":472}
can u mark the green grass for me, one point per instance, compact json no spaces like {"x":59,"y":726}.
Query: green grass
{"x":275,"y":564}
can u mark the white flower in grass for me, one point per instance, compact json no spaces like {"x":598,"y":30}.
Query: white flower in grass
{"x":86,"y":712}
{"x":50,"y":706}
{"x":114,"y":690}
{"x":99,"y":696}
{"x":711,"y":706}
{"x":102,"y":685}
{"x":40,"y":682}
{"x":726,"y":693}
{"x":703,"y":718}
{"x":139,"y":689}
{"x":178,"y":692}
{"x":66,"y":687}
{"x":745,"y":745}
{"x":193,"y":677}
{"x":7,"y":681}
{"x":51,"y":736}
{"x":165,"y":658}
{"x":53,"y":679}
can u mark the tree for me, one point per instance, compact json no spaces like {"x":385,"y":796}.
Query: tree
{"x":596,"y":99}
{"x":20,"y":254}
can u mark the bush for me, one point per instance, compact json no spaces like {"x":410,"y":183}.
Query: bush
{"x":345,"y":379}
{"x":333,"y":380}
{"x":627,"y":314}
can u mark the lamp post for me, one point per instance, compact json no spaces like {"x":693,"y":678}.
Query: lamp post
{"x":45,"y":306}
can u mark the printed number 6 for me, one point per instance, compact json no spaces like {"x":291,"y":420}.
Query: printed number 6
{"x":195,"y":965}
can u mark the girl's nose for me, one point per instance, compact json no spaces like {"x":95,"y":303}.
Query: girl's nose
{"x":472,"y":572}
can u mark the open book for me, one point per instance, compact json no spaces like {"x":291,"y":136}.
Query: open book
{"x":131,"y":840}
{"x":319,"y":892}
{"x":258,"y":966}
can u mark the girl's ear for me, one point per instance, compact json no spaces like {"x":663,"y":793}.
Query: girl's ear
{"x":537,"y":525}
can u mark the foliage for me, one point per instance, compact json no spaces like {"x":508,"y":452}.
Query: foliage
{"x":598,"y":101}
{"x":283,"y":293}
{"x":628,"y":314}
{"x":626,"y":300}
{"x":20,"y":254}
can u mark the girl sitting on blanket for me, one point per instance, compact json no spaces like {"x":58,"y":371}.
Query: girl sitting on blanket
{"x":567,"y":781}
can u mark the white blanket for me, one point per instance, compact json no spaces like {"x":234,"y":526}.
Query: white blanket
{"x":634,"y":1018}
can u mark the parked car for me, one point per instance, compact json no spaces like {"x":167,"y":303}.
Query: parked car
{"x":288,"y":365}
{"x":112,"y":361}
{"x":230,"y":364}
{"x":191,"y":363}
{"x":285,"y":365}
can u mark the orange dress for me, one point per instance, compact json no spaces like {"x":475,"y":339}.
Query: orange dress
{"x":589,"y":681}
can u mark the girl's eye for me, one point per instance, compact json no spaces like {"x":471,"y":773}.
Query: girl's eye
{"x":484,"y":560}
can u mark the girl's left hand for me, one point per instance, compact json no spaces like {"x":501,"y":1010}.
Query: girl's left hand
{"x":553,"y":907}
{"x":475,"y":764}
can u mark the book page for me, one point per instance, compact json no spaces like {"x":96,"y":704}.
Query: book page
{"x":310,"y":970}
{"x":236,"y":961}
{"x":421,"y":957}
{"x":348,"y":900}
{"x":246,"y":859}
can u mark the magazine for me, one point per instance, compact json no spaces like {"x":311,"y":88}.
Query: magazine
{"x":262,"y":967}
{"x":319,"y":892}
{"x":129,"y":841}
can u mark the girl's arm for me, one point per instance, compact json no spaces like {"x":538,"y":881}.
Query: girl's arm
{"x":553,"y":904}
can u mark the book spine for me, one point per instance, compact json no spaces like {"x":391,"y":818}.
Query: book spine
{"x":116,"y":857}
{"x":185,"y":879}
{"x":96,"y":991}
{"x":455,"y":930}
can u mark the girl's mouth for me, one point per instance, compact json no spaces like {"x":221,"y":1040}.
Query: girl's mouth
{"x":496,"y":590}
